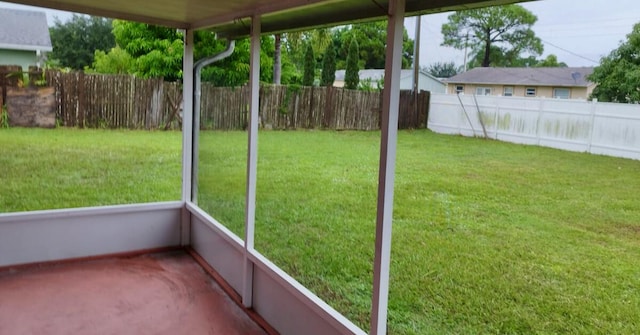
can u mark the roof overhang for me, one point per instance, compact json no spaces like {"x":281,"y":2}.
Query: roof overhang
{"x":23,"y":47}
{"x":509,"y":83}
{"x":229,"y":18}
{"x":518,"y":84}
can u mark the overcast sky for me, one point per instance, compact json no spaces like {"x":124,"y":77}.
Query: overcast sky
{"x":578,"y":32}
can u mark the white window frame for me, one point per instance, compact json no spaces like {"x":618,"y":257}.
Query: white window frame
{"x":508,"y":94}
{"x":459,"y":89}
{"x":527,"y":91}
{"x":567,"y":96}
{"x":483,"y":90}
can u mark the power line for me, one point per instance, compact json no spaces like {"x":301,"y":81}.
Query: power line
{"x":574,"y":36}
{"x":569,"y":51}
{"x":628,"y":20}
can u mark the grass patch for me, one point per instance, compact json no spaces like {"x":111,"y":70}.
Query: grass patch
{"x":488,"y":237}
{"x":66,"y":168}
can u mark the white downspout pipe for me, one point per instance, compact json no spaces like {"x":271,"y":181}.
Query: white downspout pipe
{"x":197,"y":69}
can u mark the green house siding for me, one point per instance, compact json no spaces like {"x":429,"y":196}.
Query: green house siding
{"x":18,"y":57}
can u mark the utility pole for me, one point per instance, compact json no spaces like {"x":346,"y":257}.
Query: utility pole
{"x":416,"y":65}
{"x":416,"y":56}
{"x":466,"y":45}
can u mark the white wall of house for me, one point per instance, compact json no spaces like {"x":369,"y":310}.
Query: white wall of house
{"x":594,"y":127}
{"x":529,"y":91}
{"x":24,"y":58}
{"x":425,"y":82}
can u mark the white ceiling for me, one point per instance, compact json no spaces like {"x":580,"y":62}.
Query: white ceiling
{"x":229,"y":17}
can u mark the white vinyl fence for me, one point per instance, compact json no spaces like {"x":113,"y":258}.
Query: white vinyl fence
{"x":594,"y":127}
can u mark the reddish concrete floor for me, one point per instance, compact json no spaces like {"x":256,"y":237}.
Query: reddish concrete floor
{"x":165,"y":293}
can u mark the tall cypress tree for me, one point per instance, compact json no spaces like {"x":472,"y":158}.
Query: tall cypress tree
{"x":309,"y":67}
{"x":329,"y":66}
{"x":351,"y":77}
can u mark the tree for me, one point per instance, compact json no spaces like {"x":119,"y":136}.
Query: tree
{"x":234,"y":70}
{"x":294,"y":44}
{"x":352,"y":76}
{"x":75,"y":41}
{"x":503,"y":58}
{"x":493,"y":31}
{"x":372,"y":39}
{"x":328,"y":66}
{"x":289,"y":73}
{"x":277,"y":56}
{"x":618,"y":75}
{"x":551,"y":61}
{"x":157,"y":52}
{"x":309,"y":67}
{"x":444,"y":69}
{"x":116,"y":61}
{"x":500,"y":58}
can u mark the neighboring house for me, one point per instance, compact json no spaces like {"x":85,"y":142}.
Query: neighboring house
{"x":547,"y":82}
{"x":426,"y":81}
{"x":24,"y":37}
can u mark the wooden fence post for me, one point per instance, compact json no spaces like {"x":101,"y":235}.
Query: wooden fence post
{"x":10,"y":75}
{"x":82,"y":106}
{"x":424,"y":98}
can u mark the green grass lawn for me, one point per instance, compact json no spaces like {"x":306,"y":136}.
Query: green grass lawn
{"x":488,"y":237}
{"x":62,"y":168}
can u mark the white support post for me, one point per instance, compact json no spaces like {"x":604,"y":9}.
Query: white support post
{"x":187,"y":134}
{"x":252,"y":161}
{"x":388,"y":144}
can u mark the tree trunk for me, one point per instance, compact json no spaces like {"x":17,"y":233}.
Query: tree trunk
{"x":277,"y":64}
{"x":487,"y":51}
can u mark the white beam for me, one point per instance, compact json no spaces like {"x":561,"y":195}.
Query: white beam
{"x":252,"y":160}
{"x":388,"y":143}
{"x":187,"y":132}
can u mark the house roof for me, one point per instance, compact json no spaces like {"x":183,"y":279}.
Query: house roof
{"x":535,"y":76}
{"x":229,"y":18}
{"x":24,"y":30}
{"x":378,"y":74}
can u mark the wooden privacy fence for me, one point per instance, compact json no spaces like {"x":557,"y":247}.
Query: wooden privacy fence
{"x":125,"y":101}
{"x":8,"y":78}
{"x":114,"y":101}
{"x":224,"y":108}
{"x":285,"y":107}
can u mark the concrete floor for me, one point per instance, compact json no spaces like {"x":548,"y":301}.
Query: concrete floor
{"x":166,"y":293}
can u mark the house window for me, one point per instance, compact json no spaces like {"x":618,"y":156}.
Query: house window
{"x":483,"y":90}
{"x":530,"y":92}
{"x":561,"y":93}
{"x":459,"y":89}
{"x":508,"y":91}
